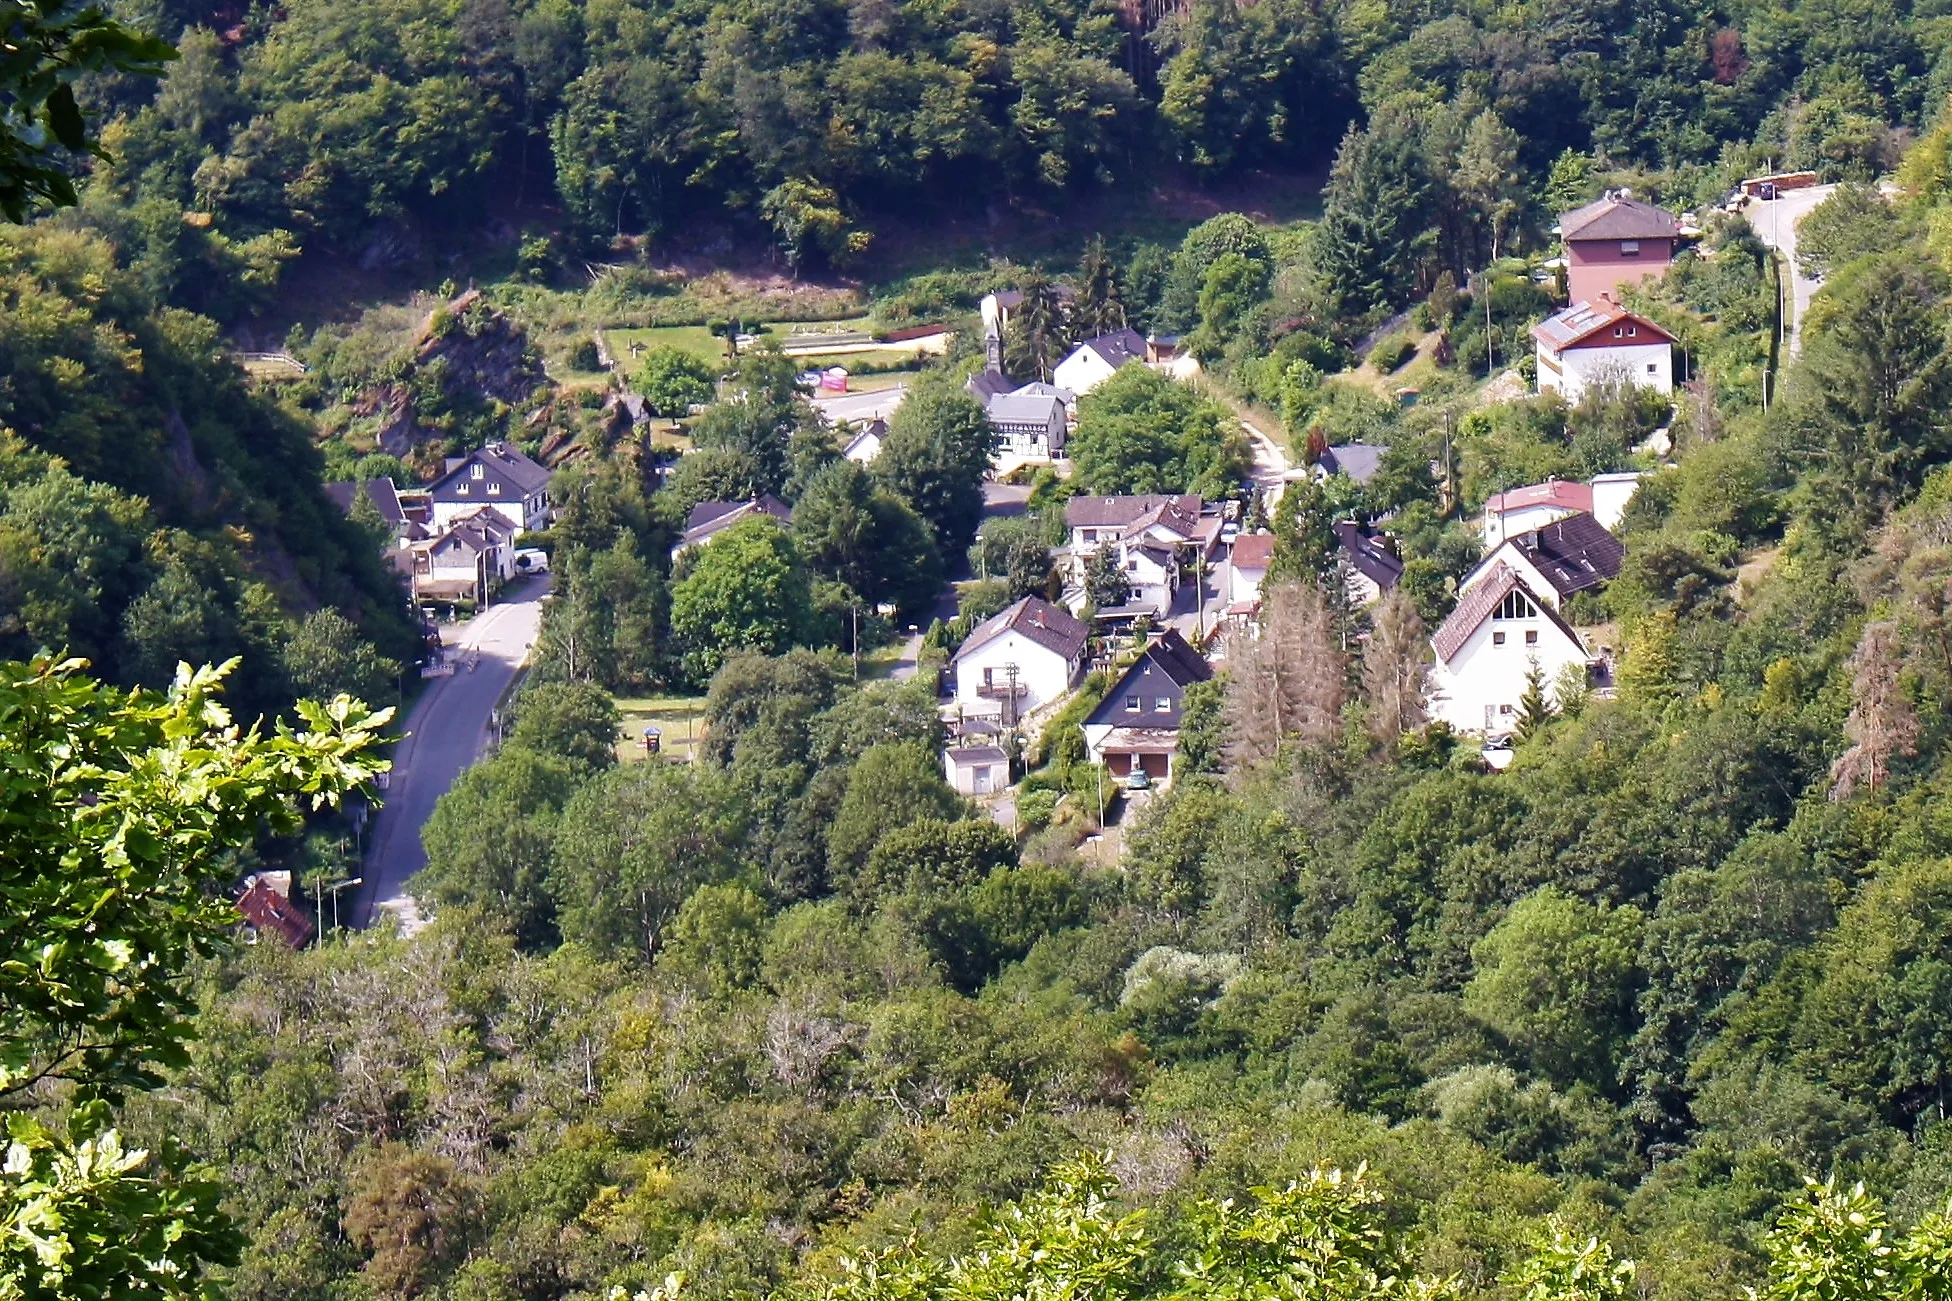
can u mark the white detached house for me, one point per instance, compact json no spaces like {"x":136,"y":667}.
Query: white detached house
{"x":1486,"y":649}
{"x":1601,"y":342}
{"x":1019,"y":660}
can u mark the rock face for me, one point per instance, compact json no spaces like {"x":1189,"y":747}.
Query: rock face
{"x":470,"y":363}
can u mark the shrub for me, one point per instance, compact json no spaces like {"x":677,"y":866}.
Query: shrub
{"x":1391,"y":353}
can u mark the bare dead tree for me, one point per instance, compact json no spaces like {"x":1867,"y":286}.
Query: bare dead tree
{"x":1882,"y":724}
{"x":1396,"y":669}
{"x":1290,"y":682}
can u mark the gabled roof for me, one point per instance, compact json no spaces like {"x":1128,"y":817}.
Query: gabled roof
{"x":385,"y":499}
{"x":1252,"y":551}
{"x":269,"y":911}
{"x":1025,"y":409}
{"x":1368,"y":554}
{"x":1477,"y":605}
{"x":987,"y":384}
{"x":864,"y":438}
{"x":1583,"y":321}
{"x":1616,"y":218}
{"x":1574,"y":553}
{"x":709,"y":517}
{"x":1114,"y":349}
{"x":1359,"y":461}
{"x":1171,"y":655}
{"x":1052,"y":627}
{"x":497,"y":460}
{"x":962,"y":755}
{"x":1132,"y":512}
{"x":1037,"y":388}
{"x":1568,"y":494}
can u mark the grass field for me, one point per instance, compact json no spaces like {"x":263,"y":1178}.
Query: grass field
{"x":677,"y":717}
{"x":698,"y":341}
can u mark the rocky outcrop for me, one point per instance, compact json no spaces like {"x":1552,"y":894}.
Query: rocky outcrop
{"x":469,"y":360}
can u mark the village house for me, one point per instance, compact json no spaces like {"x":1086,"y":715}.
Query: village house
{"x":268,"y":909}
{"x":708,"y":519}
{"x":1247,"y":563}
{"x":467,"y":560}
{"x":1359,"y":461}
{"x":1368,"y":561}
{"x":1151,"y":536}
{"x":1599,"y":342}
{"x":976,"y":769}
{"x":1521,"y":510}
{"x":1094,"y":361}
{"x":1135,"y":729}
{"x":1029,"y":426}
{"x":1560,"y":560}
{"x":1018,"y":660}
{"x":1487,"y":649}
{"x":865,"y":445}
{"x":1615,"y":241}
{"x":498,"y":475}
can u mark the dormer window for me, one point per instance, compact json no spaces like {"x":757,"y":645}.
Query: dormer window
{"x":1629,"y":248}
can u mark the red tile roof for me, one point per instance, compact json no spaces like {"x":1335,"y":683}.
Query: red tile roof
{"x":1253,"y":551}
{"x":1617,"y":218}
{"x":272,"y":913}
{"x":1564,"y":493}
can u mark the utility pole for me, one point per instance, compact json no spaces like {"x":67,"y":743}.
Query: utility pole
{"x":1011,"y":671}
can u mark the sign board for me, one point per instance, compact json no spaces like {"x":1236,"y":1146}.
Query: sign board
{"x":438,"y":669}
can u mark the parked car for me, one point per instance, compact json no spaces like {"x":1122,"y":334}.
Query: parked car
{"x":1138,"y":780}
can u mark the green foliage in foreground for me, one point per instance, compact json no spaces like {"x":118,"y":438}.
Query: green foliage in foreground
{"x":120,"y":812}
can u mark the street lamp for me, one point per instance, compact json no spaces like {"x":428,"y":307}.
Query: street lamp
{"x":334,"y":889}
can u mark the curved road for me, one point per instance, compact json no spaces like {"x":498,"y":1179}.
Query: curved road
{"x":1774,"y":222}
{"x":446,"y":732}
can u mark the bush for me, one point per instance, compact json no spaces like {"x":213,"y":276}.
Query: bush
{"x":1391,"y":353}
{"x":583,"y":356}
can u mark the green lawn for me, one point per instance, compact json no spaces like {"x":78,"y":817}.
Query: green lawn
{"x":699,"y":342}
{"x":677,"y":717}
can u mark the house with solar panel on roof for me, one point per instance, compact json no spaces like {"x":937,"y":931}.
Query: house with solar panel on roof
{"x":1510,"y":618}
{"x":1598,"y":343}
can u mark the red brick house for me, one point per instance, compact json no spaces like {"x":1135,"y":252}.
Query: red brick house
{"x":1613,"y":242}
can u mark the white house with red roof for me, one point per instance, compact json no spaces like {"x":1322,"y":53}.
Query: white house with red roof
{"x":1485,"y":652}
{"x":1521,"y":510}
{"x":1598,"y":343}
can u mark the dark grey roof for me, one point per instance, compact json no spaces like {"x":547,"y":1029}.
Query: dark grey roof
{"x":1171,"y":655}
{"x":1117,"y":348}
{"x":1037,"y":388}
{"x":1050,"y":626}
{"x":1619,"y":219}
{"x":1574,"y":553}
{"x":709,"y":517}
{"x":986,"y":384}
{"x":1369,"y":554}
{"x":1359,"y":461}
{"x":381,"y":491}
{"x":498,"y":461}
{"x":962,"y":754}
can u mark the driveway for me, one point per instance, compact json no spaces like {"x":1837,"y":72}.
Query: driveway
{"x":1775,"y":223}
{"x":861,"y":408}
{"x":1270,"y":464}
{"x":446,"y":732}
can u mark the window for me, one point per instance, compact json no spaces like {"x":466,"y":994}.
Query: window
{"x":1632,"y":330}
{"x":494,"y":488}
{"x":461,"y":489}
{"x":1504,"y":709}
{"x":1516,"y":605}
{"x":474,"y":471}
{"x":1497,"y":639}
{"x":1162,"y":704}
{"x":1131,"y":704}
{"x":1650,"y":368}
{"x":1531,"y":636}
{"x":989,"y":677}
{"x":1619,"y":332}
{"x":1629,"y":248}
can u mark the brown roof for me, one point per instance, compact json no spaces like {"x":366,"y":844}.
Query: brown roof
{"x":1619,"y":219}
{"x":1252,"y":551}
{"x":272,"y":912}
{"x":1477,"y":604}
{"x":1583,"y":321}
{"x":1129,"y":512}
{"x":1050,"y":626}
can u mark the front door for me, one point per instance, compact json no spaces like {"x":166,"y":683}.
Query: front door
{"x":983,"y":781}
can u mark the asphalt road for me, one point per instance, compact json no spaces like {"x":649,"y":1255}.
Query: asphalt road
{"x":860,"y":408}
{"x":1774,"y":221}
{"x":446,"y":732}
